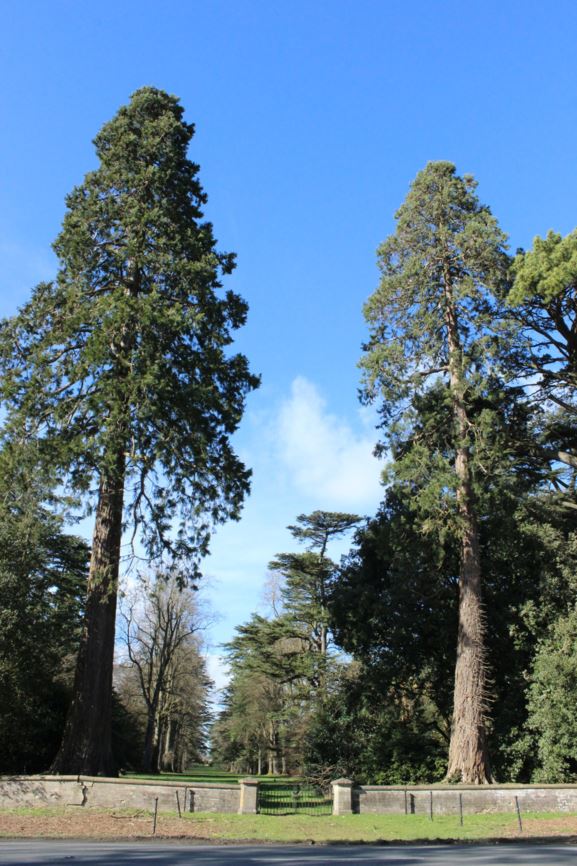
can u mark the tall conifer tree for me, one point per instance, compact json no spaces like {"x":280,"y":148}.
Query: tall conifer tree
{"x":307,"y":575}
{"x":427,"y":320}
{"x":120,"y":367}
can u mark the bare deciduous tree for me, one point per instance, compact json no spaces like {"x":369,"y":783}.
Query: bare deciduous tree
{"x":165,"y":672}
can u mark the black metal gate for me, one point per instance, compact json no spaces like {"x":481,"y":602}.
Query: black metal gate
{"x":275,"y":798}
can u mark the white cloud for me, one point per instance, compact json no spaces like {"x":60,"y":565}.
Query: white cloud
{"x":327,"y":459}
{"x":304,"y":458}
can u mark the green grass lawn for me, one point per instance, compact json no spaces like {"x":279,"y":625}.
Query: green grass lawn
{"x":366,"y":828}
{"x":296,"y":828}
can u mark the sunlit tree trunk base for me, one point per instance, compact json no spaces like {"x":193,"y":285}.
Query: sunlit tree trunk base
{"x":86,"y":747}
{"x":468,"y":756}
{"x":87,"y":742}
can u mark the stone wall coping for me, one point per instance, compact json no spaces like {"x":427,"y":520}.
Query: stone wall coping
{"x":234,"y":786}
{"x":123,"y":780}
{"x":507,"y":786}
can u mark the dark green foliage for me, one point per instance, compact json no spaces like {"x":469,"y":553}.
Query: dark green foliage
{"x":543,"y":303}
{"x":553,"y":702}
{"x":530,"y":563}
{"x":394,"y":608}
{"x":127,"y":734}
{"x":446,"y":256}
{"x":540,"y":315}
{"x":368,"y":734}
{"x":128,"y":348}
{"x":394,"y":603}
{"x":305,"y":576}
{"x":42,"y":580}
{"x":304,"y":585}
{"x":320,"y":527}
{"x":273,"y":647}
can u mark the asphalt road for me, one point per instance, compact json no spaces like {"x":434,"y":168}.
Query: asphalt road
{"x":70,"y":853}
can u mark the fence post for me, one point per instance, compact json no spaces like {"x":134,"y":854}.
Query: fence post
{"x":342,"y":796}
{"x":248,"y":797}
{"x":518,"y":814}
{"x":155,"y":816}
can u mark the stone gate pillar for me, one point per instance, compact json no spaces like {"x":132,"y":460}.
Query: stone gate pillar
{"x":342,"y":796}
{"x":248,"y":796}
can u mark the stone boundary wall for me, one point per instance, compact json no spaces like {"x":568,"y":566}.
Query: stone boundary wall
{"x":118,"y":793}
{"x":449,"y":799}
{"x":348,"y":798}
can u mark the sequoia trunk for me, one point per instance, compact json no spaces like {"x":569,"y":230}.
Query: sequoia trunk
{"x":86,"y":746}
{"x":468,"y":756}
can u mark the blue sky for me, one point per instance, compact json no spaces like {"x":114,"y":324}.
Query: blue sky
{"x":312,"y":119}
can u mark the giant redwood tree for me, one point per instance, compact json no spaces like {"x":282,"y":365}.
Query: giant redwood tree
{"x":121,"y":369}
{"x":428,"y":321}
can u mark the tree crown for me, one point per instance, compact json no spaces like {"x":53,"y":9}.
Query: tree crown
{"x":127,"y":350}
{"x":447,"y":253}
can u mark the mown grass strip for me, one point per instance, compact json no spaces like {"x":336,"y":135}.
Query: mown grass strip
{"x":306,"y":828}
{"x":207,"y":775}
{"x":372,"y":828}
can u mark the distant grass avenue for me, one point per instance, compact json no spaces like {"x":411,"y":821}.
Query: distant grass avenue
{"x":212,"y":775}
{"x":73,"y":822}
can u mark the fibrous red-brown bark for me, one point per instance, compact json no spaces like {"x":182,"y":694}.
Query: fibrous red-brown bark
{"x":468,"y":755}
{"x":86,"y":746}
